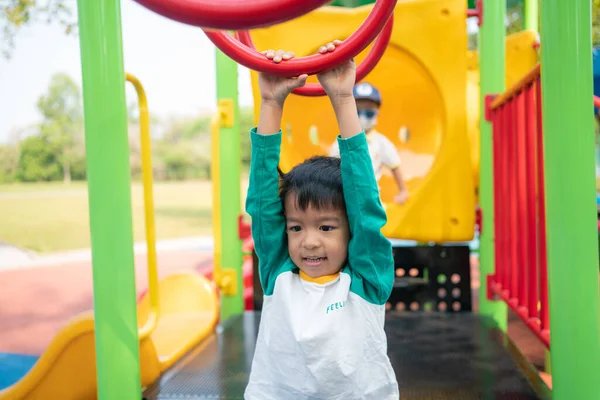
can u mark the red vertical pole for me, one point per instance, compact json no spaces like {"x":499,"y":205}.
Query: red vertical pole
{"x":545,"y":315}
{"x":500,"y":238}
{"x":506,"y":200}
{"x":513,"y":186}
{"x":506,"y":236}
{"x":508,"y":117}
{"x":532,"y":265}
{"x":521,"y":206}
{"x":496,"y":119}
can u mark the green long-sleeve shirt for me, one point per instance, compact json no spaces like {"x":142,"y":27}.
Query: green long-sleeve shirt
{"x":321,"y":339}
{"x":370,"y":261}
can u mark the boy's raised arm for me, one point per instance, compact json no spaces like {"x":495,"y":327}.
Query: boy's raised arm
{"x":369,"y":252}
{"x":265,"y":208}
{"x":263,"y":202}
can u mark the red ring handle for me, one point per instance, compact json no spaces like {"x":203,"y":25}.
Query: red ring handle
{"x":354,"y":44}
{"x":370,"y":61}
{"x":231,"y":14}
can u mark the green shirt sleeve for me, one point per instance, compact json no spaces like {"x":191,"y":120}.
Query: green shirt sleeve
{"x":370,"y":259}
{"x":265,"y":208}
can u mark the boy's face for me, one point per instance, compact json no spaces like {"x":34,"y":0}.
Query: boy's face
{"x":367,"y":113}
{"x":317,"y":239}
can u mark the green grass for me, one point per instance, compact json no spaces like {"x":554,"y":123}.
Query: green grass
{"x":40,"y":187}
{"x":50,"y":217}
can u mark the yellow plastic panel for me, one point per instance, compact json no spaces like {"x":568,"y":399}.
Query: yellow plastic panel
{"x":423,"y":80}
{"x":521,"y":55}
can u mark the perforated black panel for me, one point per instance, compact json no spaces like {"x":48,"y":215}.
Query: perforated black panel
{"x":431,"y":278}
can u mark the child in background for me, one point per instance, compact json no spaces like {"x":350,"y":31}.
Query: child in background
{"x":325,"y":268}
{"x":383,"y":153}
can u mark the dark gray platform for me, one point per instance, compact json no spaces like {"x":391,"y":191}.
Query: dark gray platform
{"x":435,"y":356}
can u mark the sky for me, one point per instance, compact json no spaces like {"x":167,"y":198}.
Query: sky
{"x":174,"y":62}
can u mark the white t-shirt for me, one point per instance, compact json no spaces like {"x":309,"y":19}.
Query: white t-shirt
{"x":382,"y":150}
{"x":331,"y":341}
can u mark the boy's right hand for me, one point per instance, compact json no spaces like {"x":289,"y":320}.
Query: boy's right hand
{"x":275,"y":89}
{"x":339,"y":81}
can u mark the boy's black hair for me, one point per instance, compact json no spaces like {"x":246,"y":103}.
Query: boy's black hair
{"x":317,"y":182}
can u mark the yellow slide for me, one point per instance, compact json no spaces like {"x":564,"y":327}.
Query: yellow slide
{"x":424,"y":84}
{"x":189,"y":312}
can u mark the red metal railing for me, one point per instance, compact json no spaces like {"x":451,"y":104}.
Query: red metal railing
{"x":521,"y":278}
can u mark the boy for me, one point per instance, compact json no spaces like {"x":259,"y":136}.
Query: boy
{"x":325,"y":268}
{"x":383,"y":153}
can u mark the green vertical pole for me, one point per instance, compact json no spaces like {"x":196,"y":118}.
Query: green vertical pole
{"x":531,"y":15}
{"x":230,"y":166}
{"x":492,"y":55}
{"x":107,"y":157}
{"x":570,"y":198}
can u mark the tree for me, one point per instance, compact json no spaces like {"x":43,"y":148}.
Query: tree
{"x":246,"y":123}
{"x":514,"y":21}
{"x":38,"y":160}
{"x":62,"y":122}
{"x":183,"y":152}
{"x":20,"y":13}
{"x":9,"y":163}
{"x":515,"y":18}
{"x":515,"y":10}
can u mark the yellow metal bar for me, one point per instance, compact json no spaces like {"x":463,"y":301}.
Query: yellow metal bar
{"x":215,"y":124}
{"x":224,"y":278}
{"x":146,"y":150}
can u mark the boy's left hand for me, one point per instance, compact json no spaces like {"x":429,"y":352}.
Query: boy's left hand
{"x":338,"y":82}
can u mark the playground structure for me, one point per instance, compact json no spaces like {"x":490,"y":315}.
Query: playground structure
{"x":425,"y":98}
{"x":173,"y":315}
{"x":139,"y":342}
